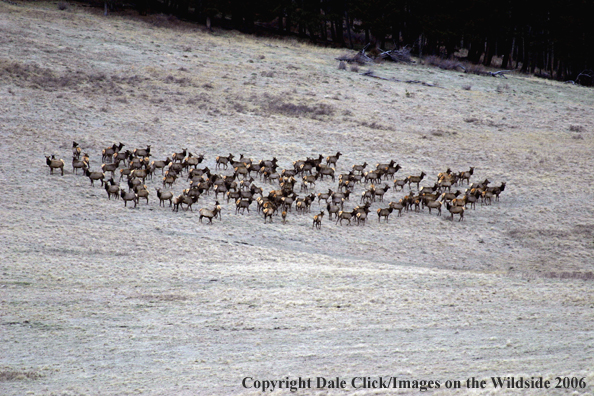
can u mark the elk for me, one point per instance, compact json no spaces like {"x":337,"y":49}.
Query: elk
{"x":128,"y":196}
{"x":243,"y":205}
{"x":142,"y":192}
{"x":108,"y":152}
{"x":110,"y":167}
{"x":416,"y":179}
{"x":326,"y":172}
{"x":343,"y":215}
{"x":193,"y":161}
{"x":399,"y":183}
{"x":284,"y":216}
{"x":164,"y":196}
{"x":179,"y":157}
{"x":380,"y":192}
{"x":54,"y":164}
{"x":487,"y":196}
{"x":434,"y":205}
{"x":317,"y":220}
{"x":210,"y":213}
{"x":466,"y":175}
{"x":331,"y":160}
{"x":94,"y":176}
{"x":359,"y":168}
{"x":169,"y":180}
{"x":161,"y":164}
{"x":268,"y":212}
{"x":398,"y":206}
{"x":332,"y":209}
{"x":188,"y":201}
{"x":112,"y":188}
{"x":374,"y":176}
{"x":223,"y":161}
{"x":390,"y":171}
{"x":384,"y":167}
{"x":78,"y":164}
{"x":450,"y":196}
{"x":121,"y":156}
{"x":324,"y":196}
{"x":459,"y":210}
{"x":76,"y":150}
{"x":384,"y":213}
{"x":139,"y":152}
{"x":310,"y":179}
{"x":496,"y":190}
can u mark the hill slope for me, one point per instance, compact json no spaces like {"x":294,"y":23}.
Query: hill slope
{"x":101,"y":298}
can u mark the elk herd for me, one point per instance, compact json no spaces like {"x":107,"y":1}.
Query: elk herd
{"x":288,"y":190}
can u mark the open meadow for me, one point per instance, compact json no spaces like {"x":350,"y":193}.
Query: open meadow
{"x":98,"y":298}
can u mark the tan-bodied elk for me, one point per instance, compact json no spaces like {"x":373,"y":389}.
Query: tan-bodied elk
{"x":53,"y":163}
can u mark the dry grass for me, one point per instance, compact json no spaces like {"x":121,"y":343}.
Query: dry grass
{"x":112,"y":300}
{"x":7,"y":375}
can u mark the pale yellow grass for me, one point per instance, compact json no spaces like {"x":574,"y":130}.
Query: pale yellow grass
{"x":100,"y":299}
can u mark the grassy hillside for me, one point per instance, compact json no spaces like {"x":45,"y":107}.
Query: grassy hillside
{"x":99,"y":298}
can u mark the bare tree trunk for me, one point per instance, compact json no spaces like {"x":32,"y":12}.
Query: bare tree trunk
{"x":489,"y":53}
{"x":339,"y":31}
{"x":348,"y":27}
{"x":105,"y":11}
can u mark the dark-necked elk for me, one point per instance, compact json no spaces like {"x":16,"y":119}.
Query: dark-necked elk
{"x":398,"y":206}
{"x":53,"y":163}
{"x":128,"y":196}
{"x":122,"y":156}
{"x":317,"y":220}
{"x":192,"y":160}
{"x":344,"y":215}
{"x":332,"y":159}
{"x":434,"y":204}
{"x":496,"y":190}
{"x":108,"y":152}
{"x":187,"y":200}
{"x":76,"y":150}
{"x":210,"y":213}
{"x":416,"y":179}
{"x":380,"y":192}
{"x":359,"y":168}
{"x":373,"y":176}
{"x":179,"y":157}
{"x":385,"y":212}
{"x":390,"y":171}
{"x":459,"y":210}
{"x":161,"y":164}
{"x":242,"y":204}
{"x":164,"y":196}
{"x":112,"y":188}
{"x":78,"y":164}
{"x":140,"y":152}
{"x":111,"y":167}
{"x":223,"y":161}
{"x":465,"y":175}
{"x":94,"y":176}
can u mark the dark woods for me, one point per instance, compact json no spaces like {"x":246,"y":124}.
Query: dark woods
{"x":553,"y":39}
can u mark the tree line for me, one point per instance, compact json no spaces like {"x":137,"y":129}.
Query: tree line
{"x":551,"y":38}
